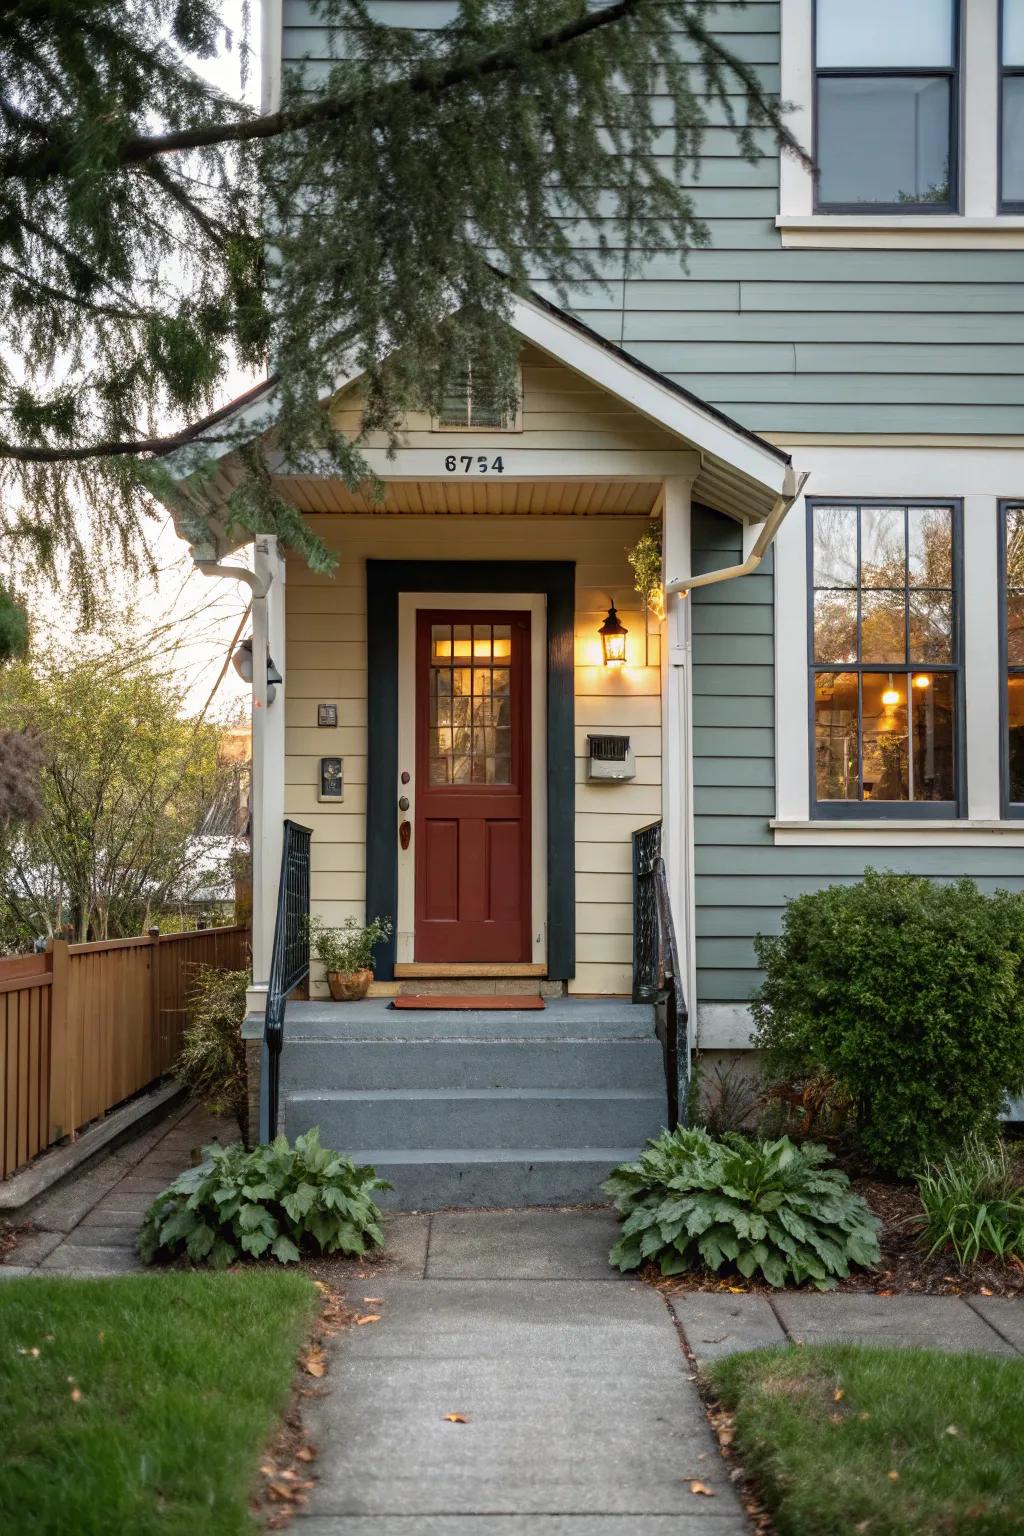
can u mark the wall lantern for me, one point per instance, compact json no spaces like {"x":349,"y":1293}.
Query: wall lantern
{"x":613,"y":639}
{"x":242,"y":663}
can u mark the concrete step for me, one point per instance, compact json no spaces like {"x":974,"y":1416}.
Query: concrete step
{"x":472,"y":1064}
{"x":571,"y":1018}
{"x":432,"y":1179}
{"x":493,"y":1118}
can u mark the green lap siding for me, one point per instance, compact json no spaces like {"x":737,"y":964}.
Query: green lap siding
{"x":743,"y":880}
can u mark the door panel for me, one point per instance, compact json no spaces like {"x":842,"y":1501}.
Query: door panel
{"x":472,"y":842}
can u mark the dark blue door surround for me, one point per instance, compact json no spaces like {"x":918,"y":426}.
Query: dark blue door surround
{"x":555,"y":580}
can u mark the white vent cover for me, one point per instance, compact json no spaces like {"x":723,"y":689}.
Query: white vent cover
{"x":610,"y":759}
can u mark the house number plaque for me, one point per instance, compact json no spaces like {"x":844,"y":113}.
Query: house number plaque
{"x":474,"y":464}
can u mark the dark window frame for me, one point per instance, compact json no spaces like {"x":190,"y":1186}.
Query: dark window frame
{"x":954,"y":73}
{"x":890,"y":810}
{"x":1006,"y":71}
{"x":1010,"y":810}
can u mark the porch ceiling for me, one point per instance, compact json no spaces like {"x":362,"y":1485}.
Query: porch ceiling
{"x":446,"y":498}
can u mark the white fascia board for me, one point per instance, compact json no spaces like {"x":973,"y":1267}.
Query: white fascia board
{"x":518,"y":463}
{"x":657,"y":401}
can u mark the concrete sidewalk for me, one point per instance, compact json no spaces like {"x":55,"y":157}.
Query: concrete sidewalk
{"x":583,"y":1415}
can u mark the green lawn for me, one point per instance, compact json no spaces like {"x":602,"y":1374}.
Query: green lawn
{"x":181,"y":1378}
{"x":951,"y":1427}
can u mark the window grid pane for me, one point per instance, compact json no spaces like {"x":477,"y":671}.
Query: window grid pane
{"x":470,"y":707}
{"x":884,"y":717}
{"x":876,"y":34}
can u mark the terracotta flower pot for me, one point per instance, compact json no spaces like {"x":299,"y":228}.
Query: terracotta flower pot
{"x":349,"y":986}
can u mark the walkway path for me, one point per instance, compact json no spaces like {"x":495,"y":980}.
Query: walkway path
{"x":89,"y":1224}
{"x":583,"y":1417}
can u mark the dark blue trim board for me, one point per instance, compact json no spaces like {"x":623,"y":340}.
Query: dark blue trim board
{"x":556,"y":581}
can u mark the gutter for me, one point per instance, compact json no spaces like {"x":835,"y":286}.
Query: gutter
{"x":792,"y":486}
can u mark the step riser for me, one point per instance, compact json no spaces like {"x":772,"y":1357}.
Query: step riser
{"x":431,"y":1123}
{"x":433,"y":1186}
{"x":314,"y":1065}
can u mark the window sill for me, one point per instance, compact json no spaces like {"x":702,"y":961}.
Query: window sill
{"x":894,"y":231}
{"x":899,"y":834}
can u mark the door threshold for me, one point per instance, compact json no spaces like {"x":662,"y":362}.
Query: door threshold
{"x":441,"y":970}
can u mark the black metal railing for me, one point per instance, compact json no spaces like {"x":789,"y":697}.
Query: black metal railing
{"x":289,"y":964}
{"x":657,"y":975}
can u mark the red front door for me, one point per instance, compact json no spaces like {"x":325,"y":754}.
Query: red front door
{"x":472,"y":837}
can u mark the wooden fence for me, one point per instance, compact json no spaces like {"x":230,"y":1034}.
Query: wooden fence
{"x":85,"y":1026}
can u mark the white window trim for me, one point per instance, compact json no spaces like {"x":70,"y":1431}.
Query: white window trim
{"x":877,"y":471}
{"x":979,"y":227}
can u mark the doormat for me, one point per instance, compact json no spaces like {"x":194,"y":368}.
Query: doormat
{"x":483,"y":1003}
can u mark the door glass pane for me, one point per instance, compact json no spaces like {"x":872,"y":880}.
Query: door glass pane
{"x":835,"y":546}
{"x":441,"y":641}
{"x":1013,"y":139}
{"x":931,"y":626}
{"x":1015,"y":731}
{"x":470,"y":724}
{"x":835,"y":626}
{"x":930,"y":552}
{"x":835,"y":735}
{"x":882,"y":547}
{"x":1015,"y":546}
{"x":883,"y":140}
{"x":932,"y":706}
{"x":886,"y":744}
{"x":1015,"y":628}
{"x":858,"y":34}
{"x":1013,"y":32}
{"x":882,"y":627}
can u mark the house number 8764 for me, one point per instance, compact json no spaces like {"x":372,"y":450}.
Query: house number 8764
{"x":468,"y":463}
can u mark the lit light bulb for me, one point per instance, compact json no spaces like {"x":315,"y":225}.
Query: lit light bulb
{"x":891,"y":695}
{"x":922,"y":681}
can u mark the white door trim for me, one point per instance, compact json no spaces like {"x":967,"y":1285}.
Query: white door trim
{"x":409,"y":604}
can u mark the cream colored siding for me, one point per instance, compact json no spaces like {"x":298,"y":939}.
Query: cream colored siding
{"x":326,"y":662}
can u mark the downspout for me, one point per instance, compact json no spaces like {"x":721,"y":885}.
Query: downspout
{"x":791,"y":489}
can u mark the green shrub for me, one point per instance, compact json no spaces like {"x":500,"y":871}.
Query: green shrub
{"x":910,"y":995}
{"x":267,"y":1202}
{"x":212,"y":1059}
{"x":974,"y":1204}
{"x":350,"y":947}
{"x":691,"y":1201}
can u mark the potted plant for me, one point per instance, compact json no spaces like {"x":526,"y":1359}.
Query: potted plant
{"x":346,"y":954}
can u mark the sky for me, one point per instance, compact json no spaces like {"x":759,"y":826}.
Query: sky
{"x":190,"y":618}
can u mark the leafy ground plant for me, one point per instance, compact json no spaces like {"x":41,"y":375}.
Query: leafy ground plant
{"x":142,"y":1404}
{"x":890,"y":1442}
{"x":691,"y":1201}
{"x":974,"y":1203}
{"x":268,"y":1202}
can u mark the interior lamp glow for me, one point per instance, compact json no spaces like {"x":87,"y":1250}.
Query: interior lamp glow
{"x":922,"y":680}
{"x":613,"y":639}
{"x":891,"y":695}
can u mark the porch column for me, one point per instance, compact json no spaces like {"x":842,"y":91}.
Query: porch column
{"x":268,"y":628}
{"x":677,"y":730}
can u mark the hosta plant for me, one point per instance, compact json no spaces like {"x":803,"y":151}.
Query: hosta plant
{"x":266,"y":1203}
{"x":691,"y":1201}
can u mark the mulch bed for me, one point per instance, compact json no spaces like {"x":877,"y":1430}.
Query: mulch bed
{"x":905,"y":1269}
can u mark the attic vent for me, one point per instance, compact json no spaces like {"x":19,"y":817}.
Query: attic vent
{"x":610,"y":759}
{"x":608,"y":749}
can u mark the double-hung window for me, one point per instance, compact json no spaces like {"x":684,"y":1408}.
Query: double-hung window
{"x":1011,"y":570}
{"x":886,"y":82}
{"x":1011,"y":107}
{"x":884,"y":651}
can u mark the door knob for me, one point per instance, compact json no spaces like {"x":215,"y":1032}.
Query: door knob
{"x":403,"y":804}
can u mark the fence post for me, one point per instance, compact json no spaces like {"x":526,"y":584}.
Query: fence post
{"x":156,"y":1029}
{"x":63,"y":1070}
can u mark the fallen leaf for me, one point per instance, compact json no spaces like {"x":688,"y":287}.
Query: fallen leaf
{"x":76,"y":1394}
{"x":883,"y":1293}
{"x":894,"y":1477}
{"x":313,"y":1363}
{"x":33,"y":1352}
{"x":373,"y":1301}
{"x":838,"y":1395}
{"x":862,"y":1526}
{"x":737,"y":1290}
{"x":307,"y":1453}
{"x":983,"y":1290}
{"x":324,"y":1290}
{"x":456,"y":1418}
{"x":836,"y":1418}
{"x":725,"y":1437}
{"x":702,"y":1488}
{"x":951,"y":1429}
{"x":367,"y":1317}
{"x":864,"y":1416}
{"x":268,"y":1471}
{"x":280,"y":1491}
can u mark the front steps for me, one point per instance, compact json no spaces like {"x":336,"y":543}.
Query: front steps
{"x":477,"y":1109}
